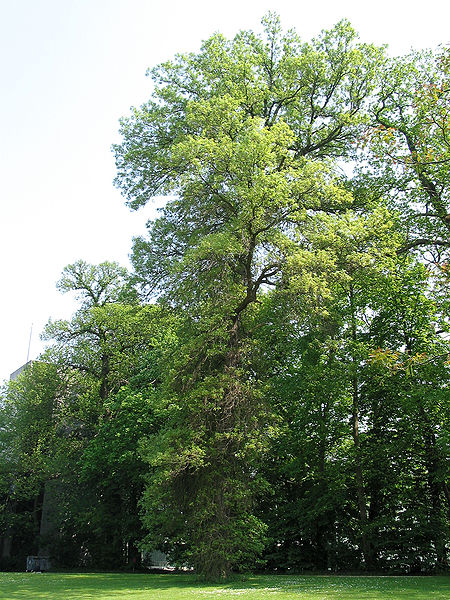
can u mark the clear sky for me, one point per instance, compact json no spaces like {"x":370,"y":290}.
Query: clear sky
{"x":69,"y":70}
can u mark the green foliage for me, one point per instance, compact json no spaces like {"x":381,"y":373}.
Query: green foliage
{"x":239,"y":136}
{"x":97,"y":285}
{"x":30,"y":450}
{"x":409,"y":137}
{"x":283,"y":404}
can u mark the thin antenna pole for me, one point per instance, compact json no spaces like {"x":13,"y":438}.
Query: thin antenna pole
{"x":29,"y":342}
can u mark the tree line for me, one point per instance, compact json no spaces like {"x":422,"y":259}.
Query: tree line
{"x":268,"y":388}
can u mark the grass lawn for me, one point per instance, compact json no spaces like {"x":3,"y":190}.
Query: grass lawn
{"x":117,"y":586}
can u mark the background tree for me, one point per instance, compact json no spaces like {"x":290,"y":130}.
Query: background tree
{"x":112,"y":344}
{"x":30,"y":451}
{"x":353,"y":475}
{"x":410,"y":139}
{"x":71,"y":464}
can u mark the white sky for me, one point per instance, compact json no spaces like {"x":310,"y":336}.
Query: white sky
{"x":68,"y":70}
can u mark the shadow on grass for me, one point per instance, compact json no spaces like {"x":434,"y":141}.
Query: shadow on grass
{"x":84,"y":586}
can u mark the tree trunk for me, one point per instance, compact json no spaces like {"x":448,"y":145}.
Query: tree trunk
{"x":436,"y":488}
{"x":359,"y":479}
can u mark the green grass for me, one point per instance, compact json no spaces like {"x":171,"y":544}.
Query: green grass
{"x":115,"y":586}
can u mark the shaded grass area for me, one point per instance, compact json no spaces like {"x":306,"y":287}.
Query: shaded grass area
{"x":118,"y":586}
